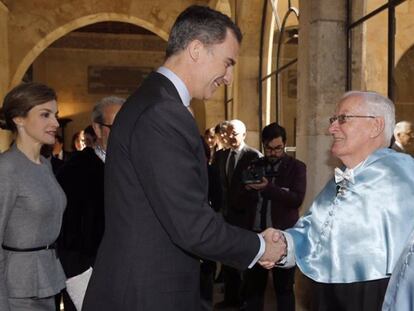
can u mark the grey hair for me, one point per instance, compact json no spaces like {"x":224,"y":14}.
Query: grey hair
{"x":238,"y":126}
{"x":402,"y":127}
{"x":379,"y":106}
{"x":97,"y":112}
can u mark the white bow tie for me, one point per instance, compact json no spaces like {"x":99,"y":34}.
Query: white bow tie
{"x":347,"y":175}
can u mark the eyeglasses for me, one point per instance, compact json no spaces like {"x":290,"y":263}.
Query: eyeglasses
{"x":342,"y":118}
{"x":276,"y":149}
{"x":106,"y":125}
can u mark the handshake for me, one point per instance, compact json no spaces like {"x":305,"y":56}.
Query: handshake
{"x":276,"y":248}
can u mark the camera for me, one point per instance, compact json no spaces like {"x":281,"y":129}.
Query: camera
{"x":258,"y":169}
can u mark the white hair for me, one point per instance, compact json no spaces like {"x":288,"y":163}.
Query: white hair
{"x":379,"y":106}
{"x":238,"y":126}
{"x":97,"y":112}
{"x":402,"y":127}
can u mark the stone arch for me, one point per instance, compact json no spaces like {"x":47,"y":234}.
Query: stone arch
{"x":63,"y":30}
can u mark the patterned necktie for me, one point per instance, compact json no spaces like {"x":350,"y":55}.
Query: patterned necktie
{"x":230,"y":168}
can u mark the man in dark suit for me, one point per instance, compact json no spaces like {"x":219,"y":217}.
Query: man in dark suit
{"x":59,"y":156}
{"x":403,"y":137}
{"x":237,"y":201}
{"x":280,"y":196}
{"x":156,"y":185}
{"x":82,"y":179}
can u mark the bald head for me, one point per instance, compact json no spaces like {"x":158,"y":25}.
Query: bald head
{"x":238,"y":133}
{"x":238,"y":126}
{"x":404,"y":133}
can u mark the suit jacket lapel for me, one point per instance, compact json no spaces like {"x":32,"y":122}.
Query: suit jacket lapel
{"x":239,"y":161}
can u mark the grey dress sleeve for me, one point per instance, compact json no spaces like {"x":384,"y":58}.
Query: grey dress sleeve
{"x":8,"y":195}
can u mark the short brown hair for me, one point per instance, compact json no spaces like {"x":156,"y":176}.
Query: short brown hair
{"x":21,"y":99}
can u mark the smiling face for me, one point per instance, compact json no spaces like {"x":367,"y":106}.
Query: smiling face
{"x":40,"y":124}
{"x":215,"y":66}
{"x":236,"y":139}
{"x":356,"y":138}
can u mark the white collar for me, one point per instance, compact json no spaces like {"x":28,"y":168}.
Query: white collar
{"x":178,"y":83}
{"x":399,"y":145}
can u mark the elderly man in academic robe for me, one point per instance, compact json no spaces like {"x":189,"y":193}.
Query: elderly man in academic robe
{"x":349,"y":241}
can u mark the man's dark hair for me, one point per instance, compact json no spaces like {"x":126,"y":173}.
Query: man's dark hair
{"x":59,"y":139}
{"x":272,"y":131}
{"x":200,"y":23}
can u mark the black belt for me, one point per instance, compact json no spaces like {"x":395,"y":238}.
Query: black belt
{"x":33,"y":249}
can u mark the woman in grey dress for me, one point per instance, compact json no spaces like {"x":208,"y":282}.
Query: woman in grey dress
{"x":31,"y":203}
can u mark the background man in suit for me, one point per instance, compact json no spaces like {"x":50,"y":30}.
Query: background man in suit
{"x":82,"y":179}
{"x":404,"y":137}
{"x":55,"y":153}
{"x":237,"y":201}
{"x":280,"y":196}
{"x":156,"y":199}
{"x":59,"y":156}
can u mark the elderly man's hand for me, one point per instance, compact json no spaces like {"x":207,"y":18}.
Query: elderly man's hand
{"x":276,"y":248}
{"x":259,"y":186}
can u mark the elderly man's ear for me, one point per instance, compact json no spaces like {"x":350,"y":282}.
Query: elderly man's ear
{"x":97,"y":129}
{"x":378,"y":127}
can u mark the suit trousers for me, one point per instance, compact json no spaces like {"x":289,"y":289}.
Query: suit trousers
{"x":207,"y":271}
{"x":255,"y":287}
{"x":358,"y":296}
{"x":232,"y":285}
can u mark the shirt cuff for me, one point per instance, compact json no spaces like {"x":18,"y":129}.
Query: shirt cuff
{"x":289,"y":261}
{"x":260,"y":253}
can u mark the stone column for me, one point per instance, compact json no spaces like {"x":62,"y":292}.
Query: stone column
{"x":321,"y":81}
{"x":245,"y":86}
{"x":5,"y":136}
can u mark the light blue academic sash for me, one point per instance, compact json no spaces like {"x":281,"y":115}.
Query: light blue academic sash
{"x":359,"y":233}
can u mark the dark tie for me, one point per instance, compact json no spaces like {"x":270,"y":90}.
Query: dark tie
{"x":263,"y":214}
{"x":230,"y":168}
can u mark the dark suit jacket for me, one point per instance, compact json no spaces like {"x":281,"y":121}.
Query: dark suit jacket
{"x":156,"y":209}
{"x":56,"y":164}
{"x":286,"y":193}
{"x":237,"y":201}
{"x":397,"y":148}
{"x":82,"y":179}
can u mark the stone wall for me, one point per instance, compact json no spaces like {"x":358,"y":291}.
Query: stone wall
{"x":33,"y":27}
{"x":64,"y":67}
{"x":5,"y":136}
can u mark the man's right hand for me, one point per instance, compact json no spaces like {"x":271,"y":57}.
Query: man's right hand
{"x":259,"y":186}
{"x":276,"y":248}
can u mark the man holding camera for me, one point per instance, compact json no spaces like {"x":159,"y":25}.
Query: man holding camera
{"x":281,"y":189}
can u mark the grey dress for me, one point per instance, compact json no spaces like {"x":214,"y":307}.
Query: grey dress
{"x":31,"y":209}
